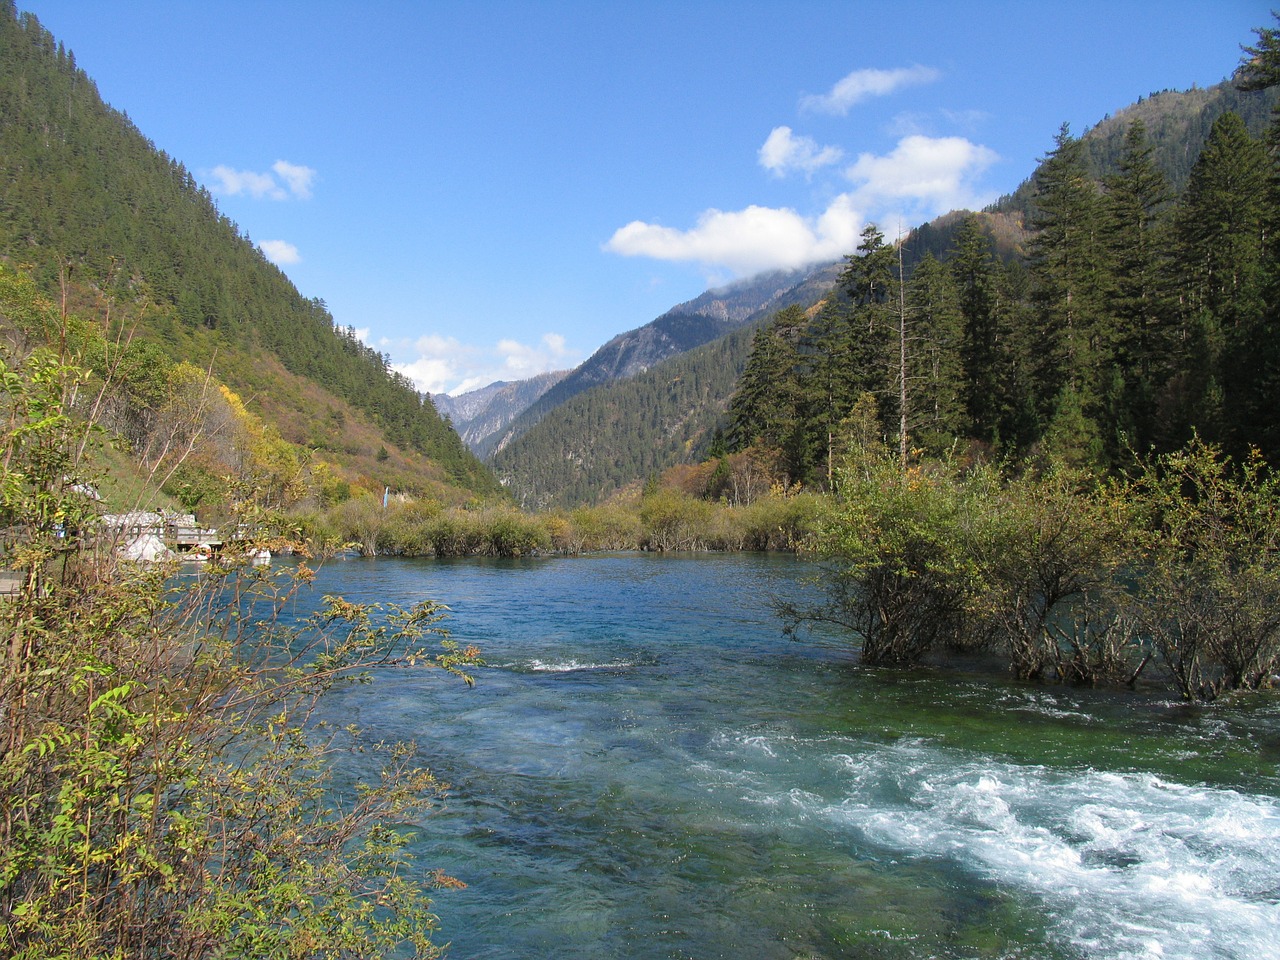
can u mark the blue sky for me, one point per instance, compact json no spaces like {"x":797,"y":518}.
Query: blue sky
{"x":487,"y":190}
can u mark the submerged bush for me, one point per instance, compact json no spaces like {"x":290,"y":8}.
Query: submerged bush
{"x":674,"y":521}
{"x":1209,"y":594}
{"x":901,"y":568}
{"x":1064,"y":577}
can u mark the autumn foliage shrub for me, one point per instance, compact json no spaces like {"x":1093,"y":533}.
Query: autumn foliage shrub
{"x":165,"y":773}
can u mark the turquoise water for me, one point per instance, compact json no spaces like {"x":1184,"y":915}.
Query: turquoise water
{"x":649,"y":769}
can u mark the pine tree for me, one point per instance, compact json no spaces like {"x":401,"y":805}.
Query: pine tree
{"x":1138,"y":297}
{"x":765,"y":407}
{"x":1018,"y":424}
{"x":935,"y":369}
{"x":1260,"y":68}
{"x":1260,"y":374}
{"x":1074,"y":338}
{"x":871,"y":283}
{"x":1220,"y":242}
{"x":972,"y":266}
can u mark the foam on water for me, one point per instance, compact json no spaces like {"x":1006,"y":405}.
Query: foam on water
{"x":1125,"y":865}
{"x":570,"y":665}
{"x":573,"y":666}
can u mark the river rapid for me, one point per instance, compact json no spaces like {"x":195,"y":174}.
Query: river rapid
{"x":648,"y":768}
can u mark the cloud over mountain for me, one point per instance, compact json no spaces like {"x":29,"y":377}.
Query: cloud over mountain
{"x":745,"y":241}
{"x":443,"y":364}
{"x":280,"y":252}
{"x":284,"y":181}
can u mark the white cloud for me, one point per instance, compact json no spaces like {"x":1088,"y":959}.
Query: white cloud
{"x":436,"y":363}
{"x":523,"y":360}
{"x":747,"y":241}
{"x":280,"y":251}
{"x":782,"y":152}
{"x":863,"y":84}
{"x":446,"y":365}
{"x":937,"y":174}
{"x":920,"y":178}
{"x":293,"y":180}
{"x":297,"y":178}
{"x":235,"y":182}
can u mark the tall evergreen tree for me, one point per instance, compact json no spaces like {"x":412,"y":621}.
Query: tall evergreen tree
{"x":1074,"y":337}
{"x":1220,"y":242}
{"x":1260,"y":376}
{"x":836,"y":369}
{"x":934,"y":365}
{"x":1138,"y":297}
{"x":1018,"y":423}
{"x":972,"y":266}
{"x":1260,"y":67}
{"x":867,"y":355}
{"x":766,"y":406}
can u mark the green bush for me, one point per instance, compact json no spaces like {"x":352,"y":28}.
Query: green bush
{"x":783,"y":523}
{"x":901,"y":569}
{"x":609,"y":526}
{"x":674,"y":521}
{"x":164,"y":774}
{"x":1065,"y":577}
{"x":1209,"y":593}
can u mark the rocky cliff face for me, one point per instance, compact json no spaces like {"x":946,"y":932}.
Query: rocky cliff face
{"x":479,"y":414}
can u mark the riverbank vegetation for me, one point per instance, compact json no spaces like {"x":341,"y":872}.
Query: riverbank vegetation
{"x":167,"y":782}
{"x":1167,"y":574}
{"x":660,"y":519}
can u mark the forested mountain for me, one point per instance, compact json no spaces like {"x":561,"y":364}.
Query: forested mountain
{"x":604,"y":438}
{"x":959,"y":266}
{"x":685,"y":326}
{"x":93,"y":212}
{"x":1177,"y":124}
{"x":627,"y":412}
{"x":481,"y":414}
{"x":1142,"y":316}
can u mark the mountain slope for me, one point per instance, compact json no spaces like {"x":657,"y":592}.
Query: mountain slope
{"x":682,"y":328}
{"x":622,"y":431}
{"x":90,"y":206}
{"x":481,"y":414}
{"x":600,"y":440}
{"x":1177,"y":124}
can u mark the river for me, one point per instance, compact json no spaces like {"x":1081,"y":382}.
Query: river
{"x":648,"y":768}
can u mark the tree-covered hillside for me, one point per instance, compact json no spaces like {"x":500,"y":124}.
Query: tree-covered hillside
{"x":610,"y":436}
{"x":598,"y":441}
{"x":647,"y":400}
{"x":1141,"y":318}
{"x":97,"y":215}
{"x":1177,"y":123}
{"x":684,"y":327}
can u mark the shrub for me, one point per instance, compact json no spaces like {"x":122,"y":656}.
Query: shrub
{"x":900,"y":571}
{"x":166,"y":781}
{"x":674,"y":521}
{"x":1209,"y":592}
{"x":929,"y":560}
{"x":783,"y":522}
{"x":609,"y":526}
{"x":1052,"y":548}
